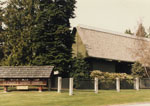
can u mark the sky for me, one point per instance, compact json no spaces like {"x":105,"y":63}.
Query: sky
{"x":115,"y":15}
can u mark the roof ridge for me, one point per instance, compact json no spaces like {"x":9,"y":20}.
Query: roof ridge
{"x":111,"y":32}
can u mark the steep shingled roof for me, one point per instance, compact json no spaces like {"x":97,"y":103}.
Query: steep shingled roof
{"x":25,"y":71}
{"x":107,"y":44}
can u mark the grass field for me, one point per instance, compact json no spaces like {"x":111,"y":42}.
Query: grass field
{"x":80,"y":98}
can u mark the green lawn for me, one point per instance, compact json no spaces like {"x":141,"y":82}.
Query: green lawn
{"x":80,"y":98}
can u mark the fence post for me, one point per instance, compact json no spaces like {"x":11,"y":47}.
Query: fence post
{"x":71,"y":86}
{"x":118,"y":84}
{"x":137,"y":84}
{"x":96,"y":85}
{"x":59,"y":84}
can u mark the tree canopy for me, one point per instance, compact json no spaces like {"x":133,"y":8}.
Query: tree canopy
{"x":128,"y":31}
{"x":37,"y":32}
{"x":141,"y":68}
{"x":141,"y":31}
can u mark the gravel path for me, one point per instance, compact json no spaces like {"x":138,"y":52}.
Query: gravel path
{"x":139,"y":104}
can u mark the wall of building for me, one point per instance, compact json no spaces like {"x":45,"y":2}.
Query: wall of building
{"x":102,"y":65}
{"x":78,"y":47}
{"x":123,"y":67}
{"x":109,"y":66}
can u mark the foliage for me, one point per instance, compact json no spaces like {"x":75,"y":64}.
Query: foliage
{"x":38,"y":33}
{"x":1,"y":31}
{"x":108,"y":80}
{"x":80,"y":70}
{"x":1,"y":18}
{"x":141,"y":31}
{"x":17,"y":32}
{"x":128,"y":31}
{"x":141,"y":53}
{"x":106,"y":75}
{"x":148,"y":33}
{"x":138,"y":70}
{"x":141,"y":67}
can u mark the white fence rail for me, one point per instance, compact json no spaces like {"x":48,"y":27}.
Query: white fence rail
{"x":97,"y":84}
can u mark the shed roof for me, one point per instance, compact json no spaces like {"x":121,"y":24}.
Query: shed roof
{"x":25,"y":71}
{"x":100,"y":43}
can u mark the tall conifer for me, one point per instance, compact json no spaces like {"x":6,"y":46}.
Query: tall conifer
{"x":38,"y":33}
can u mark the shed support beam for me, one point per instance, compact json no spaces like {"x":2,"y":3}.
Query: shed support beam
{"x":49,"y":84}
{"x":40,"y":89}
{"x":5,"y":89}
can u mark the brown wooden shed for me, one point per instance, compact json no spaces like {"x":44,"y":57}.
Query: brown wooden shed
{"x":25,"y":76}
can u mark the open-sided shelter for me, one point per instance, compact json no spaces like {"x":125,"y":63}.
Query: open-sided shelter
{"x":25,"y":76}
{"x":106,"y":50}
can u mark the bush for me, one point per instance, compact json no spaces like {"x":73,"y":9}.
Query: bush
{"x":138,"y":70}
{"x":106,"y":75}
{"x":108,"y":80}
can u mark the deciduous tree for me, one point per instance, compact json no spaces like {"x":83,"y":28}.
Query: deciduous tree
{"x":142,"y":54}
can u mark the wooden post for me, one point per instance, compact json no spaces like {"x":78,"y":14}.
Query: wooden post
{"x":59,"y":84}
{"x":134,"y":81}
{"x":96,"y":85}
{"x":49,"y":84}
{"x":5,"y":89}
{"x":71,"y":86}
{"x":118,"y":84}
{"x":137,"y":84}
{"x":40,"y":89}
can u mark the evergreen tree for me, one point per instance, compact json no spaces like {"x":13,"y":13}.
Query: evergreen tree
{"x":80,"y":70}
{"x":1,"y":14}
{"x":1,"y":32}
{"x":52,"y":42}
{"x":39,"y":33}
{"x":19,"y":20}
{"x":141,"y":31}
{"x":128,"y":31}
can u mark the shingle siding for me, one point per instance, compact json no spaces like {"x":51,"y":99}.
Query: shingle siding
{"x":25,"y":71}
{"x":106,"y":44}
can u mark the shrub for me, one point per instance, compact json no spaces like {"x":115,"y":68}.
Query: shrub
{"x":138,"y":70}
{"x":107,"y":80}
{"x":106,"y":75}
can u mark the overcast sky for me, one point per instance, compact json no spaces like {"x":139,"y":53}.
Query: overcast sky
{"x":116,"y":15}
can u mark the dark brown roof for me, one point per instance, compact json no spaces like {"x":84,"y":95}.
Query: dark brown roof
{"x":25,"y":71}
